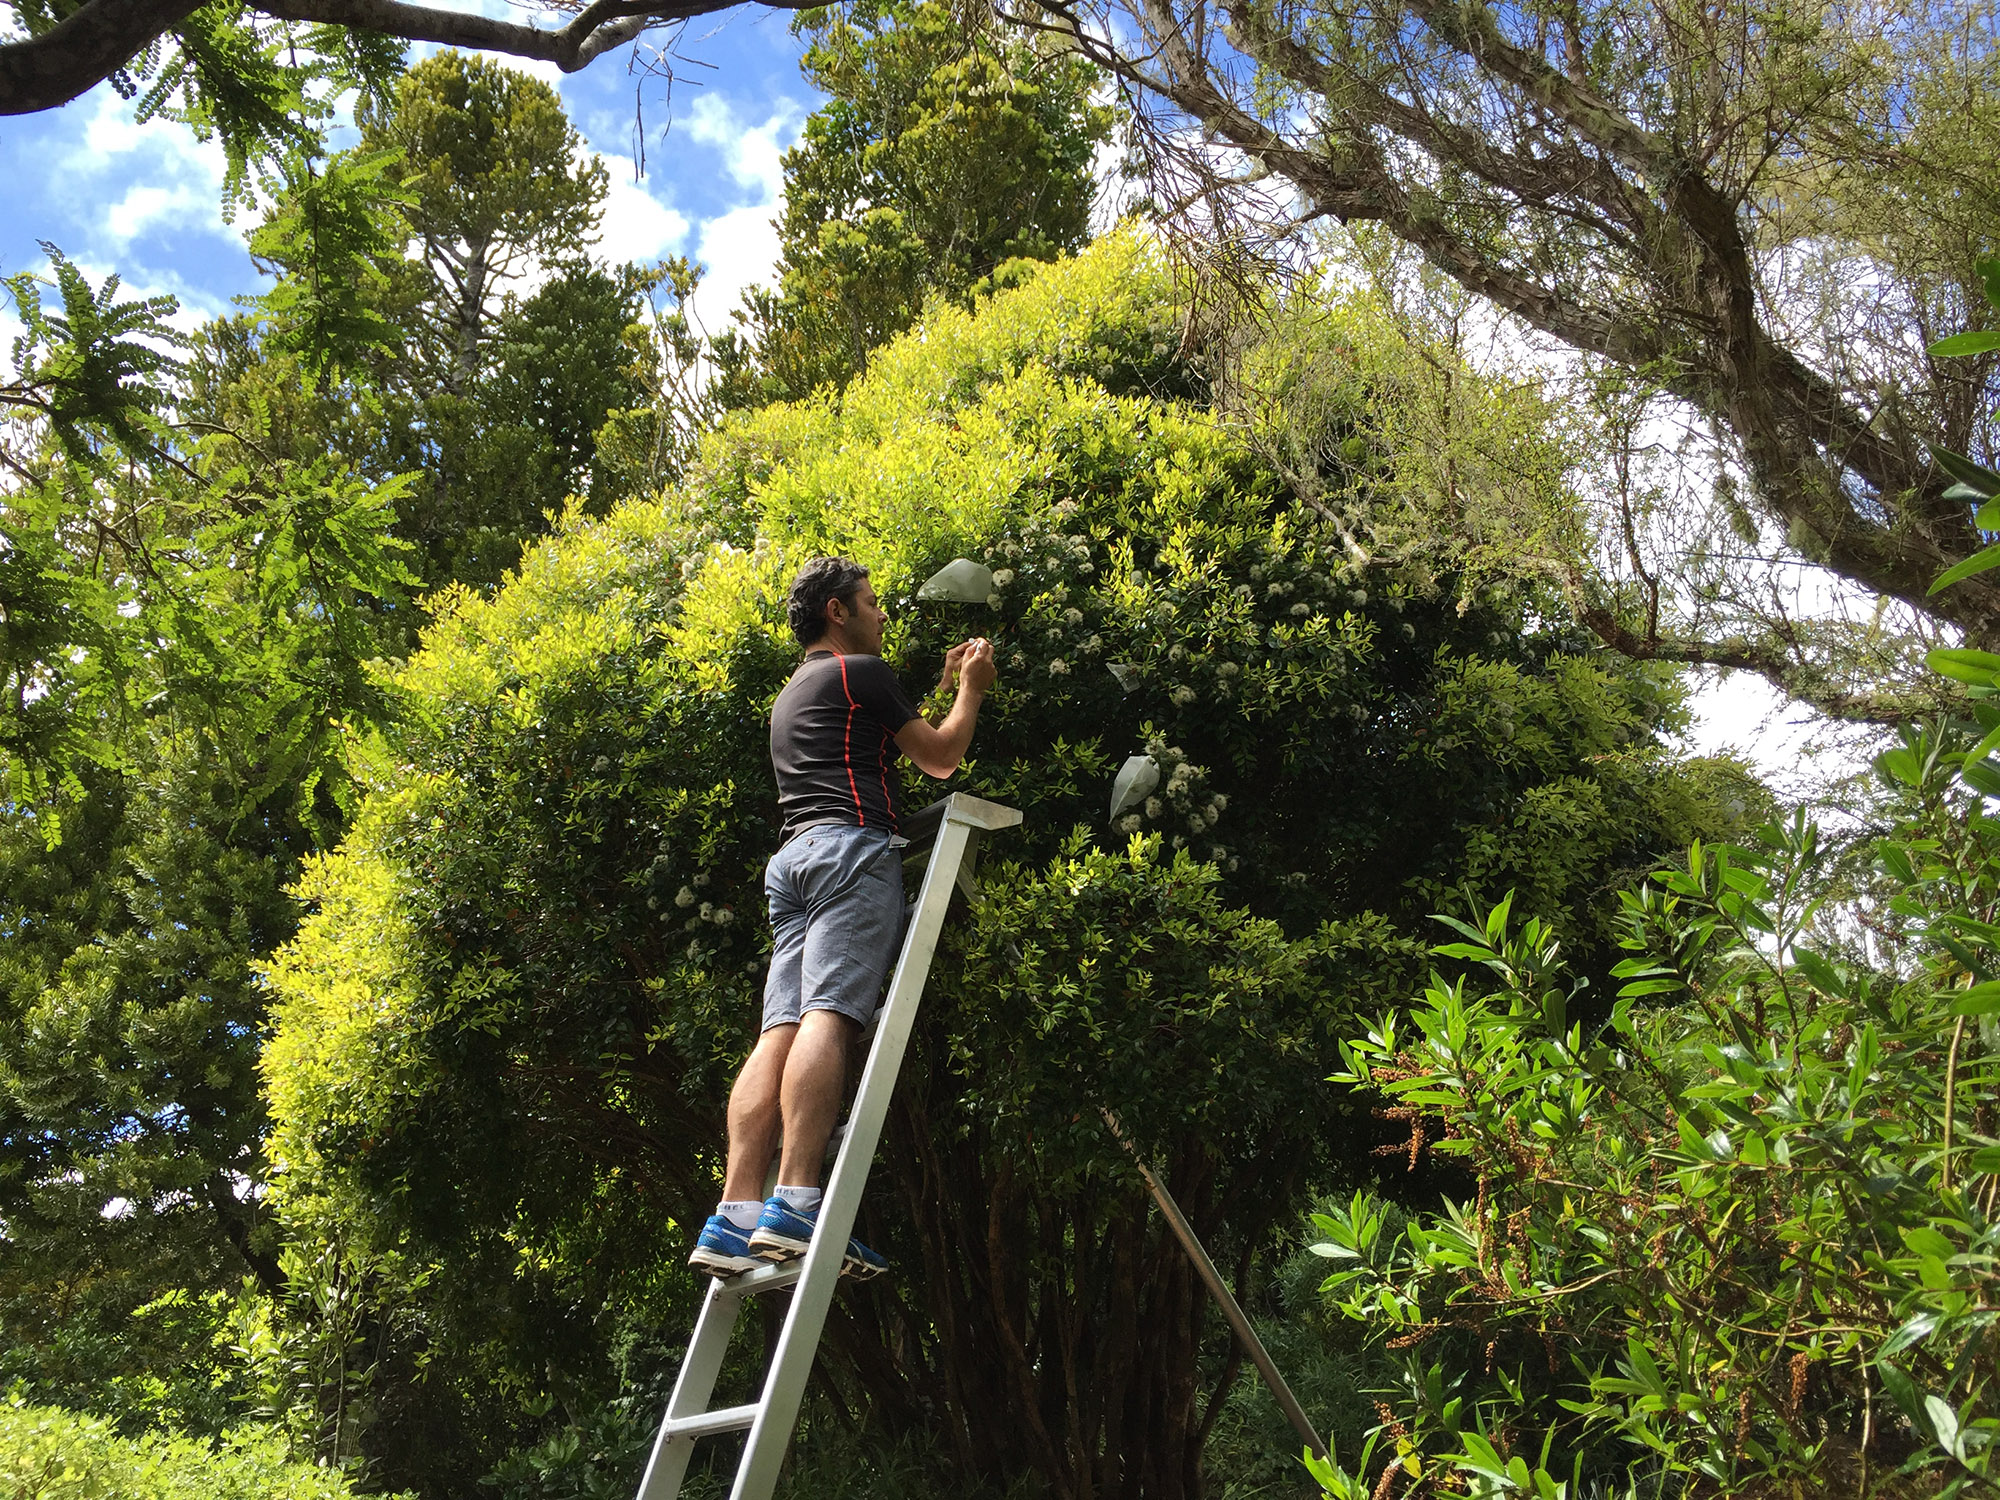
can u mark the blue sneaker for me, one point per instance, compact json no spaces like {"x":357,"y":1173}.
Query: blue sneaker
{"x":783,"y":1233}
{"x":723,"y":1249}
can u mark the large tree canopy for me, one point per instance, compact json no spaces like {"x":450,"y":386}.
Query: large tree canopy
{"x":505,"y":1036}
{"x":1764,"y":210}
{"x":203,"y":541}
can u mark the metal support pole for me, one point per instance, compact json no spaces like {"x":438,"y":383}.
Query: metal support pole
{"x":1239,"y":1323}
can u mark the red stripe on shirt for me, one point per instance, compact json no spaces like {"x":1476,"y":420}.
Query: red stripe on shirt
{"x":882,"y":758}
{"x":847,"y":743}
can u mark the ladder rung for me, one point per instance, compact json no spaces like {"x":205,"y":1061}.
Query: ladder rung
{"x":764,"y":1278}
{"x":708,"y":1423}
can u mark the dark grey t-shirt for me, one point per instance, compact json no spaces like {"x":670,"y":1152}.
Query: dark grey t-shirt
{"x":833,"y":742}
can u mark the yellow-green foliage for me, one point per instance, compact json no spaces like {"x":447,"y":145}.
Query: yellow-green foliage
{"x":619,"y":683}
{"x":504,"y":1034}
{"x":956,"y":430}
{"x":47,"y":1453}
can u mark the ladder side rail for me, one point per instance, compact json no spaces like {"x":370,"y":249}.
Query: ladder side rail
{"x":692,"y":1388}
{"x":791,"y":1364}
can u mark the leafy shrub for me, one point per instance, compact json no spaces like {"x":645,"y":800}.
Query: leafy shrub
{"x":506,"y":1031}
{"x":47,"y":1453}
{"x":1744,"y":1236}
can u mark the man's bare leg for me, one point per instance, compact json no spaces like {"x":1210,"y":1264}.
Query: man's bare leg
{"x":815,"y":1078}
{"x":754,"y":1114}
{"x":797,"y":1074}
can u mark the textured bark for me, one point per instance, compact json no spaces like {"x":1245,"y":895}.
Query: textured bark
{"x":83,"y":50}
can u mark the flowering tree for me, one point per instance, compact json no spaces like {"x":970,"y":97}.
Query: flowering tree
{"x":505,"y":1035}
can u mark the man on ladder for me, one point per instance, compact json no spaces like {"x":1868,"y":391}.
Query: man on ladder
{"x":835,"y":889}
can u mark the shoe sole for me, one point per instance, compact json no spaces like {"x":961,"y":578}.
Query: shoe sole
{"x":776,"y":1248}
{"x":715,"y":1263}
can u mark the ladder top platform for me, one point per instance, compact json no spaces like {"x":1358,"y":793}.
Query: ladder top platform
{"x":974,"y":812}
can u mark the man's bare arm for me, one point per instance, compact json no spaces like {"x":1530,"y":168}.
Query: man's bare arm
{"x":938,"y":750}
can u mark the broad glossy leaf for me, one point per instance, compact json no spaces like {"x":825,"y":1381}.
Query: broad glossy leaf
{"x":1980,"y":1000}
{"x":1984,"y":560}
{"x":1965,"y":471}
{"x":1962,"y":663}
{"x":1915,"y":1331}
{"x":1960,"y":344}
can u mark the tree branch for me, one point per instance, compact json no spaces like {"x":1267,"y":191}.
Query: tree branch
{"x":1472,"y":30}
{"x":1853,"y":487}
{"x":1794,"y":679}
{"x":88,"y":47}
{"x":83,"y":50}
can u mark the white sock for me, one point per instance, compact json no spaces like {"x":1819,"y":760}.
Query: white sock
{"x":801,"y":1200}
{"x":741,"y":1212}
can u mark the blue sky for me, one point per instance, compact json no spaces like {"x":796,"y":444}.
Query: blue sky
{"x":145,"y":201}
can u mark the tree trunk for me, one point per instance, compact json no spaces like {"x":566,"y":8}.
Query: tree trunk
{"x":470,"y":331}
{"x":1054,"y":1332}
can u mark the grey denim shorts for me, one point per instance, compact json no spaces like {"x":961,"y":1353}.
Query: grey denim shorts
{"x":836,"y":896}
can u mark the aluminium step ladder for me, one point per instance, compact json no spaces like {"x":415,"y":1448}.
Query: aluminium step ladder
{"x":955,"y":827}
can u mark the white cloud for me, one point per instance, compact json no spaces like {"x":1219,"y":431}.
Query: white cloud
{"x":637,"y":226}
{"x":173,"y":182}
{"x":751,"y":152}
{"x":738,"y":250}
{"x":146,"y":206}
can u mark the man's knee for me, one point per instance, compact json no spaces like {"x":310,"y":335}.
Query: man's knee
{"x":822,"y":1017}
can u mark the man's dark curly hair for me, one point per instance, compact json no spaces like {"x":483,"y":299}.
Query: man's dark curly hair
{"x":821,"y":579}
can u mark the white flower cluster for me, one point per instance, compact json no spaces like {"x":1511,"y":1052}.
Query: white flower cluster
{"x":1182,"y":803}
{"x":707,"y":911}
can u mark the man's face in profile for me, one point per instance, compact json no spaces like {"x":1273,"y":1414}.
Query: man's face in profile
{"x":861,"y":623}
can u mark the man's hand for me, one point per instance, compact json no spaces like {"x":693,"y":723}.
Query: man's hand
{"x":954,"y":664}
{"x":976,"y":666}
{"x":938,"y":751}
{"x":951,"y":660}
